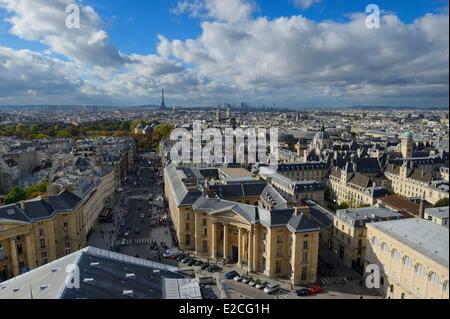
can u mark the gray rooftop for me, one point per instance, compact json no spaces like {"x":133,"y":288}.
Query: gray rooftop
{"x":438,"y":212}
{"x":425,"y":237}
{"x":360,"y":216}
{"x":103,"y":275}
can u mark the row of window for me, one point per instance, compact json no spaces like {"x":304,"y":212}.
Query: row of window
{"x":407,"y":262}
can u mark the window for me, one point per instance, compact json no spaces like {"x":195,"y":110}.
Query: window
{"x":187,"y":226}
{"x":278,"y":267}
{"x":375,"y":241}
{"x":407,"y":262}
{"x":420,"y":270}
{"x":305,"y":257}
{"x":305,"y":244}
{"x":205,"y":232}
{"x":2,"y":253}
{"x":41,"y":232}
{"x":396,"y":254}
{"x":42,"y":242}
{"x":446,"y":287}
{"x":204,"y":221}
{"x":43,"y":254}
{"x":66,"y":224}
{"x":434,"y":278}
{"x":188,"y":240}
{"x":385,"y":248}
{"x":304,"y":273}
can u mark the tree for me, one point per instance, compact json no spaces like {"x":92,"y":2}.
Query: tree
{"x":15,"y":195}
{"x":441,"y":203}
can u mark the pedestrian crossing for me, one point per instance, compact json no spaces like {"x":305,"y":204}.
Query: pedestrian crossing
{"x":333,"y":281}
{"x":135,"y":241}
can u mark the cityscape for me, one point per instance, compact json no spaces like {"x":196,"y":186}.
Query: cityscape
{"x":138,"y":194}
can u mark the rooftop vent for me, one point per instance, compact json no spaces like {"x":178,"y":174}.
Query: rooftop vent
{"x":129,"y":293}
{"x":43,"y":287}
{"x":16,"y":289}
{"x":89,"y":281}
{"x":55,"y":269}
{"x":130,"y":276}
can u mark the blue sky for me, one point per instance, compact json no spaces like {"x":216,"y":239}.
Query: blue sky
{"x":134,"y":28}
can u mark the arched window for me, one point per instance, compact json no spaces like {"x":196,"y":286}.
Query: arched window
{"x":385,"y":248}
{"x":420,"y":270}
{"x":375,"y":241}
{"x":434,"y":278}
{"x":396,"y":254}
{"x":446,"y":287}
{"x":407,"y":262}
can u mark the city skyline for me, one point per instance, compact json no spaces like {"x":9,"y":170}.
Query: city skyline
{"x":293,"y":54}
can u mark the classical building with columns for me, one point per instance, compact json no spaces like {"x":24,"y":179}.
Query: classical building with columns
{"x":256,"y":230}
{"x":35,"y":232}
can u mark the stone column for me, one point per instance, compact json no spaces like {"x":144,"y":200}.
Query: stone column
{"x":29,"y":249}
{"x":197,"y":232}
{"x":226,"y":249}
{"x":241,"y":246}
{"x":214,"y":232}
{"x":14,"y":260}
{"x":250,"y":250}
{"x":256,"y":249}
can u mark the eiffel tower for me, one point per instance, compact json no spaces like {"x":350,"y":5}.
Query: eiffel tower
{"x":163,"y":102}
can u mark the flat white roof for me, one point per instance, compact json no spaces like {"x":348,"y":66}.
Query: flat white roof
{"x":426,"y":237}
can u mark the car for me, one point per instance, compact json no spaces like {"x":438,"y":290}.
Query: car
{"x":230,"y":275}
{"x":198,"y":263}
{"x":185,"y":260}
{"x":205,"y":266}
{"x":316,"y":289}
{"x":142,"y":216}
{"x":169,"y":254}
{"x":272,"y":288}
{"x":303,"y":292}
{"x":127,"y":234}
{"x":137,"y":231}
{"x":253,"y":283}
{"x":261,"y":285}
{"x":246,"y":279}
{"x":123,"y":242}
{"x":329,"y":266}
{"x":213,"y":268}
{"x":238,"y":278}
{"x":191,"y":262}
{"x":122,"y":224}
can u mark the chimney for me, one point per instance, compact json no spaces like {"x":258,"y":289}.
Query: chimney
{"x":299,"y":210}
{"x":422,"y":209}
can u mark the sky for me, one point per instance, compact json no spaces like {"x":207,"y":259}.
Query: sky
{"x":292,"y":53}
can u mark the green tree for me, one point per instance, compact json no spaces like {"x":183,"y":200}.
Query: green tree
{"x":15,"y":195}
{"x":441,"y":203}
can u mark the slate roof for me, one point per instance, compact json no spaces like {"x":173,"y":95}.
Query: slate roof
{"x":239,"y":190}
{"x":257,"y":215}
{"x":40,"y":208}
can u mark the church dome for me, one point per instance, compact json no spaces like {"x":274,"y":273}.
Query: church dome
{"x":408,"y":135}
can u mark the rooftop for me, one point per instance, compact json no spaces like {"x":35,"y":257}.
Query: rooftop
{"x":425,"y":237}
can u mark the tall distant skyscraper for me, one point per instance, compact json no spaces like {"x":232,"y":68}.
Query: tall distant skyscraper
{"x":163,"y":101}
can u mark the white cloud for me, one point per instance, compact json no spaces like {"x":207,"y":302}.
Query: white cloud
{"x":304,"y":4}
{"x":288,"y":60}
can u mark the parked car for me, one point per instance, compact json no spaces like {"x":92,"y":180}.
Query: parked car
{"x":137,"y":231}
{"x":329,"y":266}
{"x":142,"y":216}
{"x":261,"y":285}
{"x":191,"y":262}
{"x":123,"y":242}
{"x":185,"y":260}
{"x":246,"y":279}
{"x":213,"y":268}
{"x":303,"y":292}
{"x":205,"y":266}
{"x":253,"y":283}
{"x":230,"y":275}
{"x":127,"y":234}
{"x":316,"y":289}
{"x":238,"y":278}
{"x":198,"y":263}
{"x":272,"y":288}
{"x":181,"y":257}
{"x":169,"y":254}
